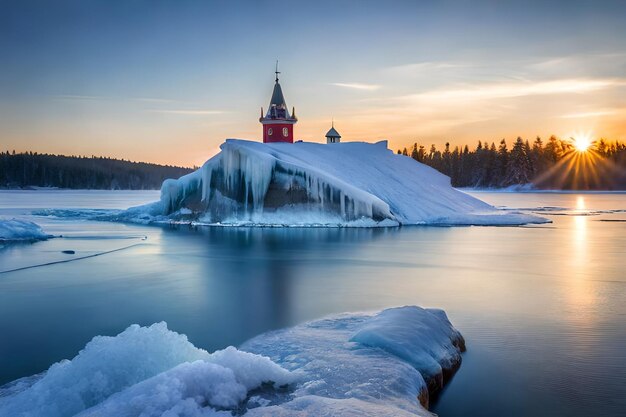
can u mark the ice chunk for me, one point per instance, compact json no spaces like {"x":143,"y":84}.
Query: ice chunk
{"x":343,"y":374}
{"x":20,"y":230}
{"x":108,"y":365}
{"x":252,"y":183}
{"x":189,"y":389}
{"x":422,"y":337}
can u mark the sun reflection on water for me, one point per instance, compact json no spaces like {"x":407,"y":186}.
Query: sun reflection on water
{"x":580,"y":230}
{"x":582,"y":292}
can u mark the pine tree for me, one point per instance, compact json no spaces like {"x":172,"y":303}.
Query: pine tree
{"x":552,"y":151}
{"x":502,"y":163}
{"x":446,"y":160}
{"x":519,"y":169}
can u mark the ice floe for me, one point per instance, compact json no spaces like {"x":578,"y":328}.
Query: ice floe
{"x":20,"y":230}
{"x":350,"y":364}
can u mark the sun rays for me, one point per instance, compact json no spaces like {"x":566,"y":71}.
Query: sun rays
{"x":581,"y":166}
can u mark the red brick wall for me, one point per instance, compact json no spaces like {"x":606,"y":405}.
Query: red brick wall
{"x":276,"y":134}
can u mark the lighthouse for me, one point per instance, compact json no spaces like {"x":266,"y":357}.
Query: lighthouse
{"x":277,"y":122}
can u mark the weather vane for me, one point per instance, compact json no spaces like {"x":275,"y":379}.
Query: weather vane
{"x":277,"y":72}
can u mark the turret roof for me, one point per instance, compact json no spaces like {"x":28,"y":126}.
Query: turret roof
{"x":332,"y":133}
{"x":277,"y":96}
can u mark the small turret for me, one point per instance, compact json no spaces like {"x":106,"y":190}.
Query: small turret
{"x":332,"y":136}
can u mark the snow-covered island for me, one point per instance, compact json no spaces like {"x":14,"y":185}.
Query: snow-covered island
{"x":312,"y":184}
{"x":352,"y":364}
{"x":16,"y":230}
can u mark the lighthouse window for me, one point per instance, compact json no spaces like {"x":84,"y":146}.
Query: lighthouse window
{"x":285,"y":132}
{"x":270,"y":131}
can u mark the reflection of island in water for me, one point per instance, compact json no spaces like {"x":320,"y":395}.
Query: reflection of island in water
{"x":248,"y":275}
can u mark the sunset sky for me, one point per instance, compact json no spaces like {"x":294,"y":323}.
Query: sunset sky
{"x":168,"y":81}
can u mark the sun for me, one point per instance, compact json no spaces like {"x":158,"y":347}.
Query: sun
{"x":582,"y":143}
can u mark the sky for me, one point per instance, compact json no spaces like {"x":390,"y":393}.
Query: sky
{"x":168,"y":81}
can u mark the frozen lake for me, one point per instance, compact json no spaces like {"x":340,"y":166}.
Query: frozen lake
{"x":542,"y":308}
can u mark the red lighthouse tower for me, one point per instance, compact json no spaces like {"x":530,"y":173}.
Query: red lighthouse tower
{"x":278,"y":123}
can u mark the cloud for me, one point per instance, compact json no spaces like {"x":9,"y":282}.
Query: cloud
{"x":357,"y":86}
{"x":190,"y":112}
{"x":111,"y":98}
{"x":421,"y":67}
{"x":469,"y":110}
{"x":520,"y":88}
{"x":78,"y":97}
{"x":588,"y":114}
{"x":154,"y":100}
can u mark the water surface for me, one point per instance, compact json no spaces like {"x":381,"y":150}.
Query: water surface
{"x":542,"y":308}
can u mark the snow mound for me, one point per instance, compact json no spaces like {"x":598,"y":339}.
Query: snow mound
{"x":350,"y":364}
{"x":152,"y":370}
{"x":376,"y":377}
{"x":312,"y":184}
{"x":423,"y":338}
{"x":21,"y":230}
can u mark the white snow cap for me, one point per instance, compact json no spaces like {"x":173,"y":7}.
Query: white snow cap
{"x":353,"y":183}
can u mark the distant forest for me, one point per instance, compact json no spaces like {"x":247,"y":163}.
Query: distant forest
{"x":20,"y":170}
{"x":556,"y":164}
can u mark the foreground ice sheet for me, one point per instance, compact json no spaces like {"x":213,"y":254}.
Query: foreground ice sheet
{"x":20,"y":230}
{"x":352,"y":364}
{"x":312,"y":184}
{"x":145,"y":371}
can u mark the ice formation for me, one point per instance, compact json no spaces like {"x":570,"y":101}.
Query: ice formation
{"x":362,"y":364}
{"x":418,"y":337}
{"x":359,"y":184}
{"x":147,"y":370}
{"x":20,"y":230}
{"x":317,"y":368}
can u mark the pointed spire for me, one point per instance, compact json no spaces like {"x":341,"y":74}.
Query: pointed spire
{"x":261,"y":111}
{"x":293,"y":112}
{"x":332,"y":132}
{"x":277,"y":108}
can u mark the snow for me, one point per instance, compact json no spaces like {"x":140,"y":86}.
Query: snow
{"x":423,"y":338}
{"x":344,"y":376}
{"x":319,"y":368}
{"x":20,"y":230}
{"x":152,"y":368}
{"x":347,"y":184}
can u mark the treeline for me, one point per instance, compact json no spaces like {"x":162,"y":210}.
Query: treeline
{"x":19,"y":170}
{"x":556,"y":164}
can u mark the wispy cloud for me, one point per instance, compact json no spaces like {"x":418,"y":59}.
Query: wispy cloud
{"x":516,"y":89}
{"x":588,"y":114}
{"x":79,"y":97}
{"x":190,"y":112}
{"x":154,"y":100}
{"x":357,"y":86}
{"x":419,"y":67}
{"x":112,"y":98}
{"x":482,"y":108}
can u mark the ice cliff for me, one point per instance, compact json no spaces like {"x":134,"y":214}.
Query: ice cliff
{"x":352,"y":364}
{"x":354,"y":183}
